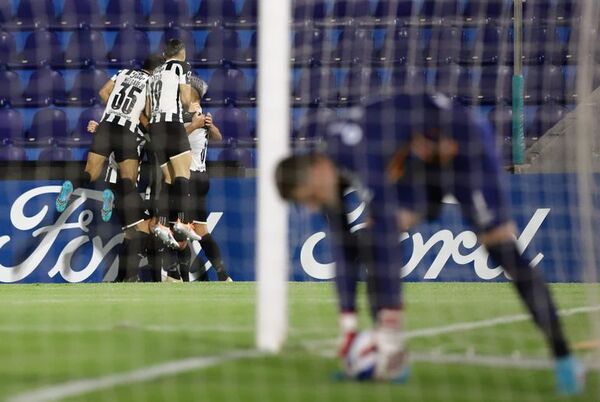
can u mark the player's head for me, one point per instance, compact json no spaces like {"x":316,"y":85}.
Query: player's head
{"x":152,"y":62}
{"x":174,"y":49}
{"x":199,"y":88}
{"x":310,"y":179}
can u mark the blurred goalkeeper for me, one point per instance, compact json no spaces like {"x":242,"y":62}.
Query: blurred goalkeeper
{"x":405,"y":153}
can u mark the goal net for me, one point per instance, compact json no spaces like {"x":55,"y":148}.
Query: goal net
{"x":91,"y":312}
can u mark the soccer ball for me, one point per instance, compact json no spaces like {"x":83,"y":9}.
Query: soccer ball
{"x":359,"y":362}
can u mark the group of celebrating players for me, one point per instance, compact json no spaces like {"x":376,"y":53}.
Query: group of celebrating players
{"x":154,"y":114}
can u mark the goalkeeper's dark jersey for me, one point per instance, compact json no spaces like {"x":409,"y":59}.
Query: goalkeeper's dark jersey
{"x":372,"y":143}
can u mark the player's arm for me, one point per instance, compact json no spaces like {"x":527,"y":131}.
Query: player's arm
{"x":197,"y":121}
{"x":214,"y":134}
{"x":185,"y":92}
{"x":106,"y":90}
{"x":144,"y":121}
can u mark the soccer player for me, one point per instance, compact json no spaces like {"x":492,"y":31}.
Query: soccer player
{"x":199,"y":180}
{"x":125,"y":98}
{"x":405,"y":153}
{"x":169,"y":92}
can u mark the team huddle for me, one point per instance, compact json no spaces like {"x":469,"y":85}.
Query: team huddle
{"x":153,"y":116}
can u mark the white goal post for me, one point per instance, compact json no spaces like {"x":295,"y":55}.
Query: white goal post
{"x":273,"y":127}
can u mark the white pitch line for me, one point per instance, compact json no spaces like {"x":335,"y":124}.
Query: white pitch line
{"x":80,"y":387}
{"x":466,"y":326}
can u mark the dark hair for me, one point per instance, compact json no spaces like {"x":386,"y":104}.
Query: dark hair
{"x":172,"y":47}
{"x":291,"y":172}
{"x":152,"y":62}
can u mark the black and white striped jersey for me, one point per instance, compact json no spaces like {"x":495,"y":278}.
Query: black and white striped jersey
{"x":164,"y":91}
{"x":199,"y":145}
{"x":127,"y":99}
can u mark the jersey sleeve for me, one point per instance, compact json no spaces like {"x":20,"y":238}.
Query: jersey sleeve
{"x":115,"y":76}
{"x":184,"y":71}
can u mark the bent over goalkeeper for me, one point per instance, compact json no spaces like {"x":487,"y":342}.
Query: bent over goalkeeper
{"x":405,"y":153}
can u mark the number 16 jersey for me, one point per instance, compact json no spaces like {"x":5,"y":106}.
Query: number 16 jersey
{"x":127,"y":99}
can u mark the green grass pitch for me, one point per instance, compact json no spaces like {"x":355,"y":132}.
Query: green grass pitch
{"x":53,"y":334}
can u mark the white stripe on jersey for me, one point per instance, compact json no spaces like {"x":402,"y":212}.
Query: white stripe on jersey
{"x":127,"y":99}
{"x":164,"y":91}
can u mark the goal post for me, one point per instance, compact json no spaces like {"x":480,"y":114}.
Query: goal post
{"x":273,"y":127}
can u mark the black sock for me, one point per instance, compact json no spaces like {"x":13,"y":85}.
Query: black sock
{"x":213,"y":253}
{"x":123,"y":252}
{"x":184,"y":256}
{"x":85,"y":180}
{"x":153,"y":248}
{"x":170,"y":263}
{"x":130,"y":255}
{"x":181,"y":191}
{"x":534,"y":293}
{"x":128,"y":203}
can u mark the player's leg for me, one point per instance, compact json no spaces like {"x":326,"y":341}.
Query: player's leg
{"x":93,"y":169}
{"x":199,"y":186}
{"x":481,"y":194}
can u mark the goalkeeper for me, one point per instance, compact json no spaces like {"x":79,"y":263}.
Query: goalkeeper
{"x":405,"y":153}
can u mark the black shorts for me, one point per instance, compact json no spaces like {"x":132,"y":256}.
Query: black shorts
{"x":111,"y":137}
{"x":168,"y":140}
{"x":199,"y":186}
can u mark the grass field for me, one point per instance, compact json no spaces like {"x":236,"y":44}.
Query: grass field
{"x":56,"y":334}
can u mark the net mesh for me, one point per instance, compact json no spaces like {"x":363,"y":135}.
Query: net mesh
{"x":468,"y":336}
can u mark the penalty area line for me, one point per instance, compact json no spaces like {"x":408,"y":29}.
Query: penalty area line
{"x":84,"y":386}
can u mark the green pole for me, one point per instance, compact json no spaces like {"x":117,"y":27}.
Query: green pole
{"x":518,"y":107}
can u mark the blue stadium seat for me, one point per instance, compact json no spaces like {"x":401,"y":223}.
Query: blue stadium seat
{"x":222,"y":46}
{"x":48,"y":124}
{"x":241,"y":157}
{"x":168,"y":13}
{"x":5,"y":12}
{"x":492,"y":46}
{"x":389,"y":12}
{"x":10,"y":90}
{"x":233,"y":123}
{"x":131,"y":48}
{"x":486,"y":11}
{"x":545,"y":83}
{"x":308,"y":46}
{"x":45,"y":87}
{"x":248,"y":16}
{"x":77,"y":13}
{"x":248,"y":55}
{"x":354,"y":46}
{"x":438,"y":12}
{"x":500,"y":117}
{"x":307,"y":127}
{"x":184,"y":35}
{"x":85,"y":48}
{"x":8,"y":48}
{"x":212,"y":13}
{"x":546,"y":116}
{"x":33,"y":14}
{"x":226,"y":86}
{"x":541,"y":43}
{"x":123,"y":13}
{"x":42,"y":47}
{"x":55,"y":154}
{"x":86,"y":86}
{"x":80,"y":137}
{"x":348,"y":11}
{"x":396,"y":46}
{"x":11,"y":125}
{"x":316,"y":86}
{"x":446,"y":80}
{"x":495,"y":84}
{"x":410,"y":79}
{"x":12,"y":153}
{"x":309,"y":11}
{"x":568,"y":11}
{"x":444,"y":47}
{"x":359,"y":83}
